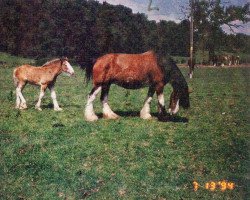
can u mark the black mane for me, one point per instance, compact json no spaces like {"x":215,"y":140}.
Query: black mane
{"x":174,"y":76}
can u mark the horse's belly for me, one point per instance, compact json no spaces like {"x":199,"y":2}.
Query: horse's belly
{"x":132,"y":84}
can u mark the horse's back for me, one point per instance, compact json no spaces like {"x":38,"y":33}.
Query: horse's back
{"x":127,"y":68}
{"x":21,"y":70}
{"x":28,"y":73}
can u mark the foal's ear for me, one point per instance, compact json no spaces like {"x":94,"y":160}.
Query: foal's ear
{"x":63,"y":59}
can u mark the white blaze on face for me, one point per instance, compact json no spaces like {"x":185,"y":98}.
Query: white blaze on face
{"x":176,"y":109}
{"x":70,"y":69}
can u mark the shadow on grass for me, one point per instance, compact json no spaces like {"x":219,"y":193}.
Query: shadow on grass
{"x":167,"y":118}
{"x":50,"y":105}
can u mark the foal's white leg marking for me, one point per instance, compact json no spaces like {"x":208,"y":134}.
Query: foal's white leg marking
{"x":38,"y":105}
{"x":175,"y":110}
{"x":145,"y":111}
{"x":89,"y":109}
{"x":23,"y":101}
{"x":18,"y":101}
{"x":53,"y":96}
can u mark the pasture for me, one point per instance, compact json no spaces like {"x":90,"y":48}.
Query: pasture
{"x":58,"y":155}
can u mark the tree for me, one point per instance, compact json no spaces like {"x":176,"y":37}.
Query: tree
{"x":210,"y":15}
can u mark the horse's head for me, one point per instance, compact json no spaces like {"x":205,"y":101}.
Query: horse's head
{"x":66,"y":67}
{"x":179,"y":98}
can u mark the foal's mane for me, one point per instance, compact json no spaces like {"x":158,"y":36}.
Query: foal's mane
{"x":51,"y":62}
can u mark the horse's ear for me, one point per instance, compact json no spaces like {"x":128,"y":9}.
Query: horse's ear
{"x":63,"y":59}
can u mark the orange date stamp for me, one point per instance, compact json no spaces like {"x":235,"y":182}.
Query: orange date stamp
{"x":215,"y":185}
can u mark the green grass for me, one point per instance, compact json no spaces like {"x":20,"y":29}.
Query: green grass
{"x":7,"y":60}
{"x":58,"y":155}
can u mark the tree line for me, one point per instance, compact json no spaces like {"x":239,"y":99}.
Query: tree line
{"x":86,"y":29}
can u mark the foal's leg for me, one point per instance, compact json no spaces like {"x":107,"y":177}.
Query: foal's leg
{"x":20,"y":101}
{"x":145,"y":111}
{"x":41,"y":95}
{"x":53,"y":96}
{"x":89,"y":110}
{"x":161,"y":105}
{"x":106,"y":110}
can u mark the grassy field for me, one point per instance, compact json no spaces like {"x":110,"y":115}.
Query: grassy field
{"x":57,"y":155}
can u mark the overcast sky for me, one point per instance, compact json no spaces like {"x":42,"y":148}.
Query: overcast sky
{"x":169,"y":9}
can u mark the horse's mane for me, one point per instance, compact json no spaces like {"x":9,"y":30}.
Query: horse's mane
{"x":51,"y":62}
{"x":170,"y":69}
{"x":174,"y":76}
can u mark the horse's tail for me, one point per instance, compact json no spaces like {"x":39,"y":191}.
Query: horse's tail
{"x":89,"y":73}
{"x":15,"y":79}
{"x":88,"y":66}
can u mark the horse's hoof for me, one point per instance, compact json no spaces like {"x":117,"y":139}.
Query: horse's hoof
{"x":114,"y":116}
{"x":146,"y":116}
{"x":38,"y":108}
{"x":23,"y":106}
{"x":58,"y":109}
{"x":91,"y":118}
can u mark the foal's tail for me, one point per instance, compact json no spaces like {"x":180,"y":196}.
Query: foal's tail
{"x":15,"y":79}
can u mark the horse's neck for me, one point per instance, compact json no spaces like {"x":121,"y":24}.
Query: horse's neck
{"x":55,"y":68}
{"x":177,"y":80}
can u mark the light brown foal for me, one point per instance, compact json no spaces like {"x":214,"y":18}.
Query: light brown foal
{"x":45,"y":76}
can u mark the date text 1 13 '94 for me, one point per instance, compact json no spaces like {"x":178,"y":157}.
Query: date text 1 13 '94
{"x":212,"y":185}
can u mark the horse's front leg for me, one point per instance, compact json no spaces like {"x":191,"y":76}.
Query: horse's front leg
{"x":106,"y":110}
{"x":41,"y":95}
{"x":53,"y":97}
{"x":145,"y":111}
{"x":89,"y":109}
{"x":162,"y":114}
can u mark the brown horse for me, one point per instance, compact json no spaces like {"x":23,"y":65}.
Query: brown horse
{"x":44,"y":76}
{"x":134,"y":71}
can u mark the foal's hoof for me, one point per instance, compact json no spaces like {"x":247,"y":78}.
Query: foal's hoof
{"x":38,"y":108}
{"x":58,"y":109}
{"x":23,"y":106}
{"x":91,"y":118}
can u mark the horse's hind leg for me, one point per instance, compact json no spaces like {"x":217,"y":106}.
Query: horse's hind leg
{"x":20,"y":101}
{"x":145,"y":111}
{"x":106,"y":110}
{"x":89,"y":109}
{"x":41,"y":95}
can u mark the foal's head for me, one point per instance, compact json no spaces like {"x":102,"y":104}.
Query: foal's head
{"x":66,"y":67}
{"x":179,"y":98}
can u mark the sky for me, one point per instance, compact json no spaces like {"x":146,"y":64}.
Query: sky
{"x":171,"y":10}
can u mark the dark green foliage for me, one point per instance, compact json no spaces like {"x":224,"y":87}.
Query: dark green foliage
{"x":84,"y":30}
{"x":209,"y":16}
